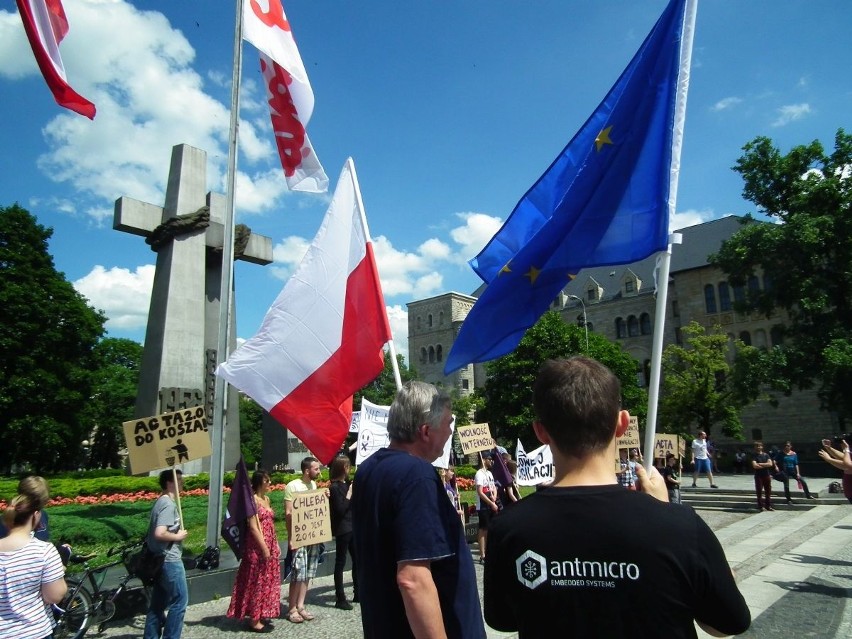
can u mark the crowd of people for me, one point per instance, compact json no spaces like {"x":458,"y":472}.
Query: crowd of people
{"x":401,"y":524}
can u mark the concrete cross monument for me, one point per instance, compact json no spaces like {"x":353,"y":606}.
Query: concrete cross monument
{"x":181,"y":339}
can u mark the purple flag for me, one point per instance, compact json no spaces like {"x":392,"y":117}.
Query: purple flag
{"x":499,"y":470}
{"x":240,"y":507}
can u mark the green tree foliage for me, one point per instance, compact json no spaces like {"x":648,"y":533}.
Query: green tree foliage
{"x":382,"y":390}
{"x":47,"y":337}
{"x":508,"y":389}
{"x":809,"y":256}
{"x":251,"y":430}
{"x":115,"y":381}
{"x":701,"y":388}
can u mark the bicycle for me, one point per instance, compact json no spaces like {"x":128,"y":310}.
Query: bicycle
{"x":84,"y":606}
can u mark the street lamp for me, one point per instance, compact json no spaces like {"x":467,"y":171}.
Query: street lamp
{"x":585,"y":321}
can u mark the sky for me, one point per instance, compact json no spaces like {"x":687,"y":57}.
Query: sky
{"x":451,"y":111}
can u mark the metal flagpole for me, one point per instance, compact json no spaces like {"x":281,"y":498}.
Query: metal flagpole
{"x":663,"y":278}
{"x":220,"y":404}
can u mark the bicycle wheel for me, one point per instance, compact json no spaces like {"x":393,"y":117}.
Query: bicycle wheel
{"x":72,"y":613}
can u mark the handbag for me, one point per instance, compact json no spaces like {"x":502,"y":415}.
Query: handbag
{"x":146,"y":564}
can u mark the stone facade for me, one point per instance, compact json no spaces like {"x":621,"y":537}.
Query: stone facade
{"x":620,"y":303}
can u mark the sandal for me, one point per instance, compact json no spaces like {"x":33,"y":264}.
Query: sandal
{"x":306,"y":615}
{"x":294,"y":617}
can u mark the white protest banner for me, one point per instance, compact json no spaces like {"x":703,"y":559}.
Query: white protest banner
{"x":475,"y":437}
{"x":444,"y":460}
{"x":535,"y":467}
{"x":167,"y":439}
{"x":311,"y":518}
{"x":372,"y":430}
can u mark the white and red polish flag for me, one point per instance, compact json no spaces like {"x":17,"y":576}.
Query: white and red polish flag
{"x":46,"y":25}
{"x":288,"y":91}
{"x":322,"y":339}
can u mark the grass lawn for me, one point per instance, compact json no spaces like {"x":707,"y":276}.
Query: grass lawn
{"x":95,"y":528}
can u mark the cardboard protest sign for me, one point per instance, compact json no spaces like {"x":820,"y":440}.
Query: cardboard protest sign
{"x":167,"y":439}
{"x":665,"y":444}
{"x":534,"y":467}
{"x":475,"y":437}
{"x":630,"y":439}
{"x":311,"y":518}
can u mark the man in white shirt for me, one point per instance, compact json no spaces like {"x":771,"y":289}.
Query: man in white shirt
{"x":701,"y":460}
{"x":486,"y":501}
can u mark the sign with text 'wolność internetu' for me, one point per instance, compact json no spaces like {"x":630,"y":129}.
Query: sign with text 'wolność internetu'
{"x":166,"y":440}
{"x":475,"y":437}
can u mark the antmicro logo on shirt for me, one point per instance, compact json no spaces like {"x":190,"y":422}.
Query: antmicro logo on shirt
{"x":533,"y":570}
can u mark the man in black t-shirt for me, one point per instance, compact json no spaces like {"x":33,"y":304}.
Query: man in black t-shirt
{"x":581,"y":553}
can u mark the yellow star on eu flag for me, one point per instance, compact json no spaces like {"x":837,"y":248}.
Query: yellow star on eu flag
{"x":603,"y":138}
{"x":532,"y":274}
{"x":505,"y":268}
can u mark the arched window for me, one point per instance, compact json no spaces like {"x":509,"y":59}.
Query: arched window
{"x":418,"y":321}
{"x":431,"y":355}
{"x":767,"y":282}
{"x":439,"y":353}
{"x":429,"y":320}
{"x":441,"y":318}
{"x":710,"y":298}
{"x":739,"y":293}
{"x":745,"y":337}
{"x":645,"y":324}
{"x":724,"y":297}
{"x":632,"y":326}
{"x":776,"y":335}
{"x":753,"y":284}
{"x":620,"y":328}
{"x":423,"y":355}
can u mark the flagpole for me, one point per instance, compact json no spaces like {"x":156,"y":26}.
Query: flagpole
{"x":220,"y":404}
{"x":350,"y":163}
{"x":663,"y":278}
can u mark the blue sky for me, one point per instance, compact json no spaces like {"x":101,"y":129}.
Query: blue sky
{"x":451,"y":110}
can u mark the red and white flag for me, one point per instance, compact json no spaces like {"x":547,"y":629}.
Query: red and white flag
{"x":46,"y":25}
{"x":322,"y":339}
{"x":289,"y":93}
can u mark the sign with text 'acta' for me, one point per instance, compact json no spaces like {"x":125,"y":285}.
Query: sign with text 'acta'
{"x":311,"y":518}
{"x":475,"y":437}
{"x":166,"y":440}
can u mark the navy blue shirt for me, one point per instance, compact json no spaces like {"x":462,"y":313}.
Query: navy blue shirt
{"x":401,"y":513}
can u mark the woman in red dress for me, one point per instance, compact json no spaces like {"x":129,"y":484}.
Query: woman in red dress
{"x":257,"y":589}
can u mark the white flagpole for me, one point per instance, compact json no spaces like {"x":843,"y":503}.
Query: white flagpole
{"x":351,"y":164}
{"x":663,"y":278}
{"x":220,"y":404}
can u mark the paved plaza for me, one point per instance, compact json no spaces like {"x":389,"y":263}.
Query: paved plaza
{"x":793,"y":566}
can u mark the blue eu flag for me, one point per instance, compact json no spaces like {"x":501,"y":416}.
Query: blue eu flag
{"x":603,"y":201}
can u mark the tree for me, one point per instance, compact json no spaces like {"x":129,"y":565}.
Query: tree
{"x":701,"y":388}
{"x":47,"y":337}
{"x":115,"y":383}
{"x":382,"y":390}
{"x":508,"y":389}
{"x":806,"y":261}
{"x":251,"y":430}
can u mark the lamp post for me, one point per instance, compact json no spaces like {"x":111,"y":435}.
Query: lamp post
{"x":585,"y":320}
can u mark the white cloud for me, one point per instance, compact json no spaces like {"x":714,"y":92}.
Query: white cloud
{"x":122,"y":295}
{"x":478,"y":228}
{"x":791,"y":112}
{"x":286,"y":256}
{"x":405,"y":273}
{"x":690,"y":217}
{"x":148,"y":98}
{"x":726,"y":103}
{"x":398,"y":319}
